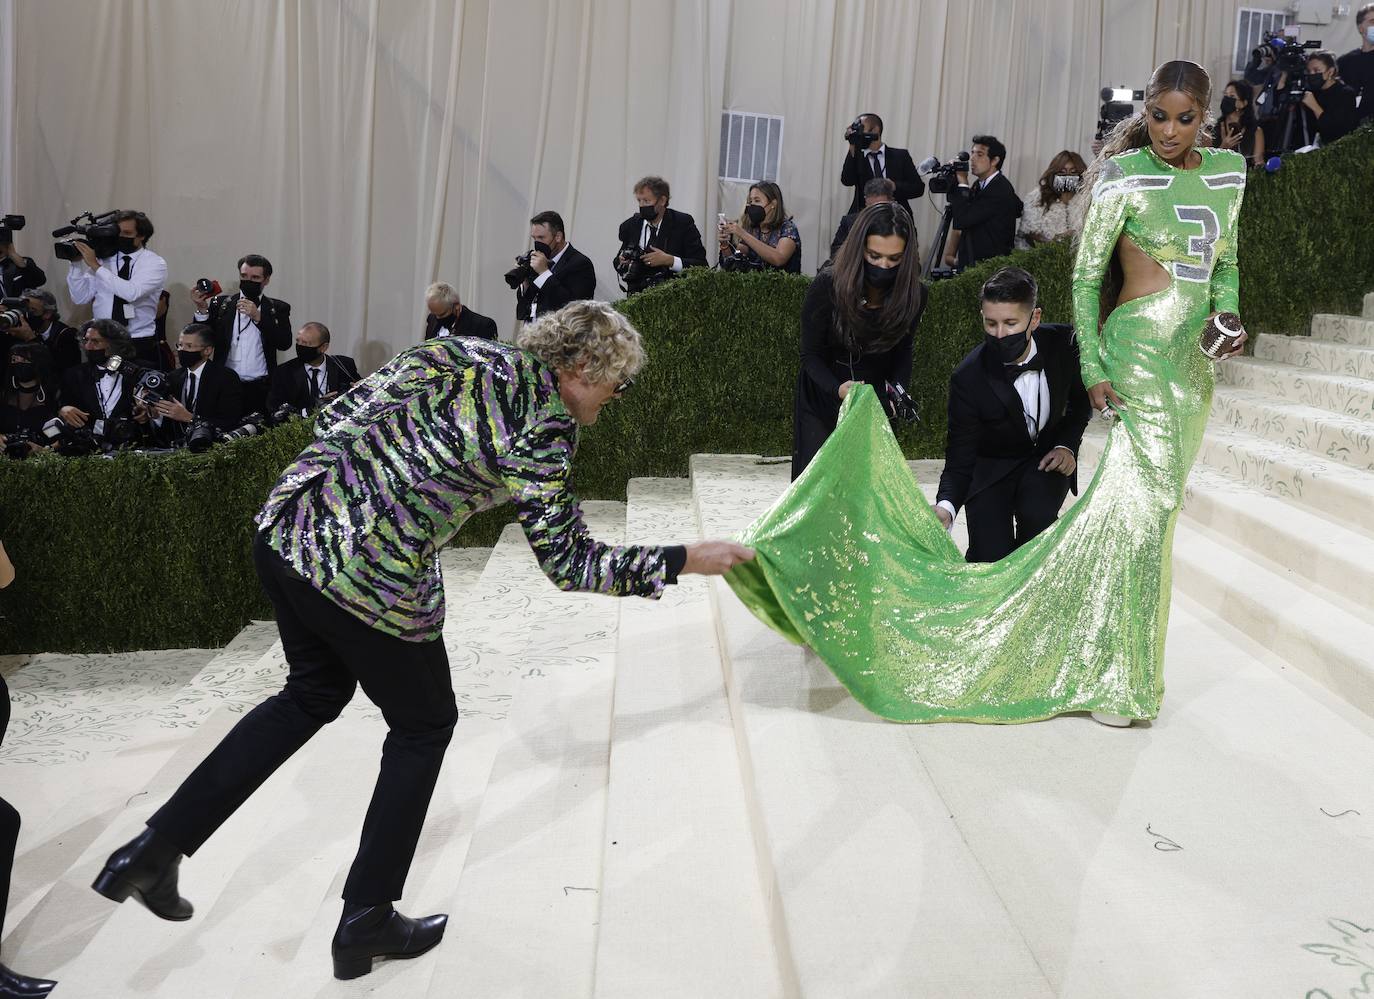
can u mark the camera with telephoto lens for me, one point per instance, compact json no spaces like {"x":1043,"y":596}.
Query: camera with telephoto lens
{"x":900,"y":406}
{"x":941,"y":178}
{"x":17,"y":443}
{"x":634,"y":271}
{"x":856,"y":136}
{"x":9,"y":225}
{"x":101,"y":232}
{"x":13,"y":312}
{"x":522,"y":271}
{"x":740,"y":262}
{"x":252,"y":425}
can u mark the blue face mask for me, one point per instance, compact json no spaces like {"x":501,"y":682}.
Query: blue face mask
{"x":1369,"y":34}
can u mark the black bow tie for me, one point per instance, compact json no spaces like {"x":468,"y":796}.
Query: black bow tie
{"x":1015,"y":371}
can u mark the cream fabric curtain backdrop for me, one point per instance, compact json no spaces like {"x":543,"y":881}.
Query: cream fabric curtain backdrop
{"x":369,"y":147}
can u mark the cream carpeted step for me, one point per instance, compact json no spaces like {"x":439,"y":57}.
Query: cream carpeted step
{"x":523,"y":916}
{"x":1317,"y":355}
{"x":874,"y":891}
{"x":1343,"y":329}
{"x":1368,"y":310}
{"x":1345,"y":439}
{"x":681,"y":911}
{"x":1343,"y":394}
{"x":1320,"y":485}
{"x":1056,"y":858}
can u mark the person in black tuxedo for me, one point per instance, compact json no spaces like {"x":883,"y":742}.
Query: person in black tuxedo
{"x":48,"y":328}
{"x":869,"y":157}
{"x":1017,"y":409}
{"x":92,"y":393}
{"x":17,"y":272}
{"x":558,"y":273}
{"x":447,"y":316}
{"x":670,"y":239}
{"x":983,"y":215}
{"x":877,"y":191}
{"x":314,"y":376}
{"x":249,"y":328}
{"x":196,"y":390}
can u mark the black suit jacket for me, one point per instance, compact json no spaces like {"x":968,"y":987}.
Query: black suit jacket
{"x":78,"y":389}
{"x":219,"y":400}
{"x":677,"y":236}
{"x":987,"y":437}
{"x":275,"y":327}
{"x":469,"y":324}
{"x":291,"y":384}
{"x":986,"y":218}
{"x":898,"y":168}
{"x":572,"y":279}
{"x":62,"y":345}
{"x":15,"y":279}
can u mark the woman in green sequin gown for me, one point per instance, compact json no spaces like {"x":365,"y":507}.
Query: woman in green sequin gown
{"x":852,"y":561}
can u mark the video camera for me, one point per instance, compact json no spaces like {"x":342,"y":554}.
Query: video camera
{"x":856,"y":136}
{"x":13,"y":312}
{"x":1118,"y":104}
{"x":1286,"y":53}
{"x":9,"y":225}
{"x":941,"y":178}
{"x":101,"y":232}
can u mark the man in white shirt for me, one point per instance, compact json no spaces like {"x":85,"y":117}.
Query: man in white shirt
{"x":124,"y":286}
{"x":249,"y":328}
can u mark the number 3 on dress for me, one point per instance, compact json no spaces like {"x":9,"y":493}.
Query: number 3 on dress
{"x":1202,"y":247}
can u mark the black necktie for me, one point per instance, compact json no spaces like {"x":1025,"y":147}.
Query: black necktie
{"x":314,"y":384}
{"x":191,"y":391}
{"x":877,"y":164}
{"x":126,"y":269}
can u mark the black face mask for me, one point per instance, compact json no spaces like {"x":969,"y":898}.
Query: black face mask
{"x":23,"y":372}
{"x":308,"y":354}
{"x":1228,"y":104}
{"x":250,"y":289}
{"x":1315,"y":81}
{"x":881,"y":278}
{"x":755,"y":214}
{"x":97,"y":357}
{"x":648,"y":212}
{"x":190,"y":358}
{"x":543,"y":248}
{"x":126,"y":244}
{"x":1008,"y":349}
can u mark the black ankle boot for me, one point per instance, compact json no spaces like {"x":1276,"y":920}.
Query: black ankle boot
{"x":147,"y":869}
{"x":13,"y":986}
{"x":370,"y":931}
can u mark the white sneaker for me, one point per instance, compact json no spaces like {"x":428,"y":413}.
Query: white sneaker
{"x":1114,"y":721}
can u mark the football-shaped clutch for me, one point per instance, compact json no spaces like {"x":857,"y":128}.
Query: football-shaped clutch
{"x":1220,"y":334}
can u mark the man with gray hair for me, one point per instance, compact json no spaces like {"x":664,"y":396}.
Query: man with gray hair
{"x":42,"y":324}
{"x":448,"y":317}
{"x":347,"y":550}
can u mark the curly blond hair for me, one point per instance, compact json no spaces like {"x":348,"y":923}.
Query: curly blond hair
{"x":586,"y":333}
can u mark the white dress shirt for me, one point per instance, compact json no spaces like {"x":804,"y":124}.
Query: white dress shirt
{"x":646,"y":233}
{"x":246,"y":358}
{"x":542,"y":279}
{"x":317,"y":378}
{"x":881,"y":153}
{"x":109,"y":390}
{"x":147,"y":277}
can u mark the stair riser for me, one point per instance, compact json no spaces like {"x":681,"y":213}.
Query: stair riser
{"x":1344,"y":329}
{"x":1329,"y":496}
{"x":1336,"y":394}
{"x":1347,"y":445}
{"x":1317,"y":355}
{"x":1369,"y":306}
{"x":1303,"y":644}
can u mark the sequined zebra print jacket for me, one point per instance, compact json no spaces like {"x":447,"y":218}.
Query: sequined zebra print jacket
{"x":444,"y":430}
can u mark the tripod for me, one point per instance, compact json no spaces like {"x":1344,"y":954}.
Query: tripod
{"x":937,"y":248}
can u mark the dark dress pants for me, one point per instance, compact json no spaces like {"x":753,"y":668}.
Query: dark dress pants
{"x":1011,"y":511}
{"x":147,"y":352}
{"x":255,"y":396}
{"x":329,"y":652}
{"x":9,"y":818}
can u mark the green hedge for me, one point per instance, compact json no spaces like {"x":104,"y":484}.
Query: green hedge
{"x":153,"y":551}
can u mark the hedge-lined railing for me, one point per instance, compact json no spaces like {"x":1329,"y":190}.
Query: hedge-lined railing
{"x":152,"y":551}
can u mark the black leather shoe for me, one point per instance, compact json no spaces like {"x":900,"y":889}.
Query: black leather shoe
{"x":13,"y":986}
{"x":376,"y":931}
{"x":147,"y":869}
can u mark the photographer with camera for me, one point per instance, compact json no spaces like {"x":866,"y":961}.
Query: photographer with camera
{"x":1017,"y":411}
{"x":1046,"y":209}
{"x":1328,"y":104}
{"x":538,"y":289}
{"x":314,"y":377}
{"x":98,"y":396}
{"x":658,"y":242}
{"x":197,"y":391}
{"x":764,"y":238}
{"x":448,"y":316}
{"x":1237,"y":127}
{"x":28,"y":401}
{"x":878,"y":191}
{"x":1356,"y":67}
{"x":41,"y":324}
{"x":17,"y":272}
{"x":868,"y":157}
{"x":248,"y":327}
{"x":983,"y":215}
{"x":123,"y":286}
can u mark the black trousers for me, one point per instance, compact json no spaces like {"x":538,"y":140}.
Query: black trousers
{"x":1011,"y":511}
{"x":9,"y":818}
{"x":255,"y":395}
{"x":329,"y":652}
{"x":147,"y":353}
